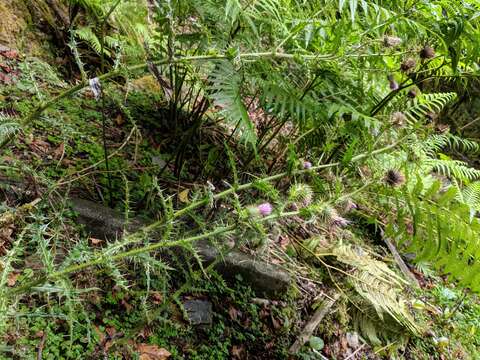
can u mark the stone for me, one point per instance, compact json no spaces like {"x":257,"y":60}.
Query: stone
{"x":267,"y":279}
{"x":102,"y":222}
{"x":157,"y":160}
{"x":353,"y":340}
{"x":199,"y":311}
{"x":263,"y":277}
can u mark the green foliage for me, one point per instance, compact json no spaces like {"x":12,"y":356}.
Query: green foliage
{"x":226,"y":94}
{"x":444,"y":233}
{"x":8,"y":127}
{"x":428,"y":104}
{"x":275,"y":83}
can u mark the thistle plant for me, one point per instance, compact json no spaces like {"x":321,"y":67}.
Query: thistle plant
{"x":278,"y":90}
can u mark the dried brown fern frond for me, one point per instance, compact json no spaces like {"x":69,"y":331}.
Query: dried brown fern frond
{"x":377,"y":284}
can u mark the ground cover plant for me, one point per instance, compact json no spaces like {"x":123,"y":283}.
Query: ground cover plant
{"x":331,"y":143}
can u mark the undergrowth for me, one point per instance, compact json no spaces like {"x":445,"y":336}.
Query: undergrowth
{"x":309,"y":136}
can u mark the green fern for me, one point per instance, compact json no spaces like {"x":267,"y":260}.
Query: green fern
{"x":444,"y":231}
{"x":470,"y":195}
{"x":226,"y":94}
{"x":8,"y":127}
{"x":87,"y":35}
{"x":428,"y":103}
{"x":438,"y":142}
{"x":453,"y":168}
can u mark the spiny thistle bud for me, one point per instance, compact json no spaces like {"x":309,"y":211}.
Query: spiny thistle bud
{"x":427,"y":52}
{"x":408,"y":65}
{"x":394,"y":178}
{"x":300,"y":194}
{"x":307,"y":165}
{"x":398,"y":118}
{"x":340,"y":221}
{"x":331,"y":216}
{"x":412,"y":94}
{"x":349,"y":205}
{"x":263,"y":209}
{"x":393,"y":83}
{"x":391,"y":41}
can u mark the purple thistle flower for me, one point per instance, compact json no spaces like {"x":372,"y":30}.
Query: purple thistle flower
{"x":265,"y":209}
{"x":307,"y":165}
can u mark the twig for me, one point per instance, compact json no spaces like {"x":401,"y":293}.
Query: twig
{"x":312,"y":324}
{"x":320,"y":355}
{"x":457,"y":305}
{"x":384,"y":347}
{"x":355,"y":352}
{"x":401,"y":264}
{"x":41,"y":345}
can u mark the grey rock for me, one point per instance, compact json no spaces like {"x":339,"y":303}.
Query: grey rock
{"x":102,"y":222}
{"x":353,"y":340}
{"x":263,"y":277}
{"x":266,"y":279}
{"x":199,"y":311}
{"x":157,"y":160}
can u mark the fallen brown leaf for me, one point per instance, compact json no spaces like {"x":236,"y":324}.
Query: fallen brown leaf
{"x":58,"y":152}
{"x":233,"y":313}
{"x":277,"y":324}
{"x":237,"y":351}
{"x":183,"y":196}
{"x":283,"y":241}
{"x":110,"y":330}
{"x":39,"y":146}
{"x":126,"y":305}
{"x":152,"y":352}
{"x":119,"y":120}
{"x":12,"y":279}
{"x":95,"y":241}
{"x":264,"y":313}
{"x":6,"y":233}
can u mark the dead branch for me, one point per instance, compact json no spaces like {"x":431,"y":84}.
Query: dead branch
{"x":312,"y":324}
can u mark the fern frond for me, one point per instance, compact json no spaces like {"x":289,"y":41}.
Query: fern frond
{"x":428,"y":103}
{"x":471,"y":195}
{"x":93,"y":6}
{"x":454,"y":168}
{"x":444,"y":231}
{"x":377,"y":284}
{"x":437,"y":142}
{"x":226,"y":94}
{"x":87,"y":35}
{"x":8,"y":127}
